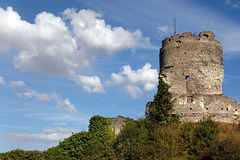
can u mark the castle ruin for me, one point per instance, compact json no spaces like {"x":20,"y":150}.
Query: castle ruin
{"x":193,"y":67}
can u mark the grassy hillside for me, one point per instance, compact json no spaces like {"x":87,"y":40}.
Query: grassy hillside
{"x":144,"y":139}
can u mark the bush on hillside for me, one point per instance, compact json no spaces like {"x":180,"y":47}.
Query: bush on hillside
{"x":20,"y":154}
{"x":226,"y":149}
{"x":131,"y":142}
{"x":197,"y":138}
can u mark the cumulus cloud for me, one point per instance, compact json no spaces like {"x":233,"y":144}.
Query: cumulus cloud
{"x":93,"y":34}
{"x":48,"y":135}
{"x":54,"y":47}
{"x":2,"y":81}
{"x":46,"y":46}
{"x":90,"y":84}
{"x":133,"y":90}
{"x":23,"y":91}
{"x":136,"y":83}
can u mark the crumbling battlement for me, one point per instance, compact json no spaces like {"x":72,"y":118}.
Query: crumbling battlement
{"x":205,"y":36}
{"x":193,"y":67}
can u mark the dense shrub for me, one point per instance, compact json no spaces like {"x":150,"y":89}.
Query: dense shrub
{"x":164,"y":142}
{"x":139,"y":139}
{"x":226,"y":149}
{"x":131,"y":142}
{"x":207,"y":132}
{"x":21,"y":155}
{"x":187,"y":136}
{"x":95,"y":143}
{"x":197,"y":138}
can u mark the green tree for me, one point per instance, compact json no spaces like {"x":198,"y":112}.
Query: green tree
{"x":131,"y":142}
{"x":94,"y":144}
{"x":54,"y":153}
{"x":163,"y":103}
{"x":102,"y":137}
{"x":74,"y":146}
{"x":99,"y":128}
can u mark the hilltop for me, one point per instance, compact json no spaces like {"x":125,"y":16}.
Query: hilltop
{"x":160,"y":136}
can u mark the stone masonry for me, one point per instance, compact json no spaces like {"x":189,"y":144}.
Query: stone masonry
{"x":193,"y":67}
{"x":117,"y":124}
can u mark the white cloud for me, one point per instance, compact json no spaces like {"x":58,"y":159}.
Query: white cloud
{"x":90,"y":84}
{"x":53,"y":47}
{"x":48,"y":135}
{"x":134,"y":91}
{"x":63,"y":104}
{"x":46,"y":46}
{"x":136,"y":83}
{"x":2,"y":81}
{"x":118,"y":78}
{"x":93,"y":34}
{"x":33,"y":94}
{"x":23,"y":91}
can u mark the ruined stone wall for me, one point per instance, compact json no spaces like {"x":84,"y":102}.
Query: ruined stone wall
{"x":193,"y":67}
{"x":219,"y":107}
{"x":117,"y":124}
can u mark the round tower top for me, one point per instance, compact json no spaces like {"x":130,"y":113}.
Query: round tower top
{"x":204,"y":36}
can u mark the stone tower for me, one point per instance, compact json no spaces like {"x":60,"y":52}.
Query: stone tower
{"x":193,"y":67}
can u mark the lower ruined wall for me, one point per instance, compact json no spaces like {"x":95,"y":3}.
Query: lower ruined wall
{"x":218,"y":117}
{"x":193,"y":108}
{"x":117,"y":124}
{"x":219,"y":107}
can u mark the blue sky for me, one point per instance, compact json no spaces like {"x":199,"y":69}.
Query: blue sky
{"x":63,"y":61}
